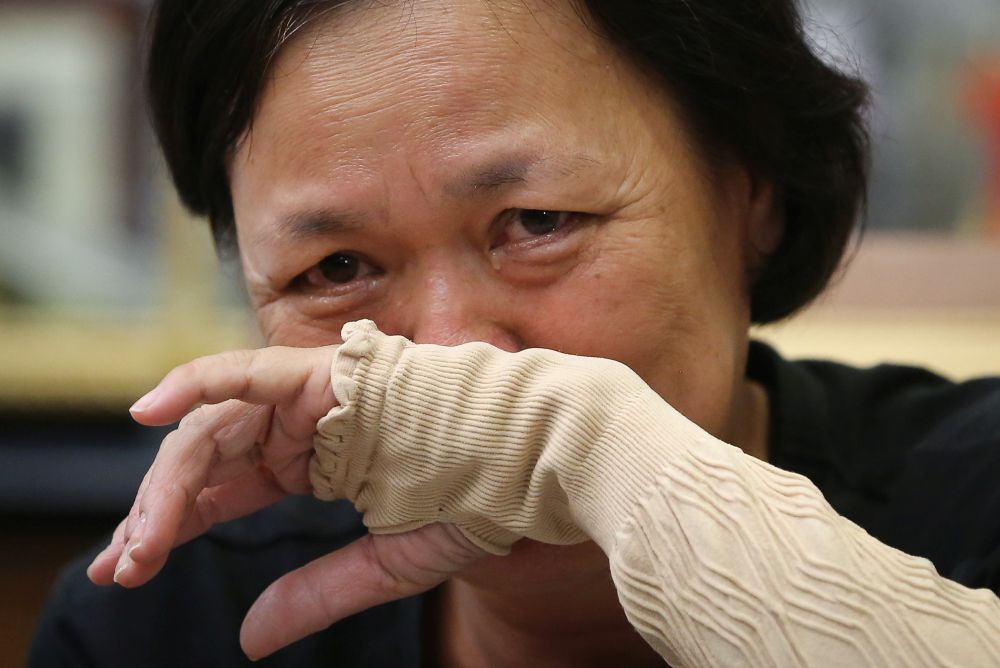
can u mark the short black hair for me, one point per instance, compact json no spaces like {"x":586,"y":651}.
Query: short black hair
{"x":744,"y":76}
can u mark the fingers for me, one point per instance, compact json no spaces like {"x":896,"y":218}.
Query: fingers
{"x":368,"y":572}
{"x":230,"y":501}
{"x":215,"y":443}
{"x":101,"y":569}
{"x":139,"y":563}
{"x":266,"y":376}
{"x":180,"y":472}
{"x":227,"y":458}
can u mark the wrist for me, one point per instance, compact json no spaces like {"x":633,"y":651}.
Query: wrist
{"x":360,"y":375}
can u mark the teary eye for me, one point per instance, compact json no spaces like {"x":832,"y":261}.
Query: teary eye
{"x":527,"y":224}
{"x":537,"y":222}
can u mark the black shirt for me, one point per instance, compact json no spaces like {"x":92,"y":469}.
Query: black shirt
{"x":909,"y":456}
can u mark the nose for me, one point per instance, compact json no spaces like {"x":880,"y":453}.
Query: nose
{"x":451,"y":308}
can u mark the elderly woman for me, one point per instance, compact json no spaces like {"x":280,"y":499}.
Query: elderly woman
{"x":507,"y":254}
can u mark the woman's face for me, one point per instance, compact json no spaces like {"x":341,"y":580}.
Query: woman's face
{"x":456,"y":171}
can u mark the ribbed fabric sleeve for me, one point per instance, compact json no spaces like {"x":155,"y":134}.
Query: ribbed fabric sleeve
{"x":719,"y":559}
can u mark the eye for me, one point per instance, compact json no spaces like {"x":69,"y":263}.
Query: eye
{"x":338,"y":269}
{"x":526,"y":224}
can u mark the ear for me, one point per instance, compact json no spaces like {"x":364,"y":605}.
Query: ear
{"x":763,"y":219}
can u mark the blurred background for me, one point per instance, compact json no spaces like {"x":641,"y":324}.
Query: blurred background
{"x":105,"y":283}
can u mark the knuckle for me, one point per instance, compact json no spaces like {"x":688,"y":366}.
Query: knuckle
{"x":204,"y":365}
{"x":195,"y":419}
{"x":245,"y":361}
{"x":190,"y":370}
{"x":174,"y":489}
{"x":170,"y":440}
{"x":321,"y":597}
{"x":236,"y":357}
{"x":206,"y":509}
{"x":386,"y":578}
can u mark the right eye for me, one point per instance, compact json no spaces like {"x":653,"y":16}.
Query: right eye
{"x":338,"y":269}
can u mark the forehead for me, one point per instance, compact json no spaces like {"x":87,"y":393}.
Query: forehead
{"x":431,"y":74}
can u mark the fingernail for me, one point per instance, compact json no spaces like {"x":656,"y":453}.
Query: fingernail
{"x":144,"y":402}
{"x":120,"y":568}
{"x":136,"y":539}
{"x":125,"y":560}
{"x":131,"y":548}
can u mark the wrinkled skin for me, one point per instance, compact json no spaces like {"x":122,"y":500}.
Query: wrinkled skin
{"x":392,"y":172}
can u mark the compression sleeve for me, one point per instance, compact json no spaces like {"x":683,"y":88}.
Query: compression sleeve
{"x":719,"y":559}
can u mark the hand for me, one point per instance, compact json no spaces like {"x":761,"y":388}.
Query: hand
{"x":248,"y":447}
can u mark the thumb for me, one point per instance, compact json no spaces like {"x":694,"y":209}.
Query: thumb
{"x":370,"y":571}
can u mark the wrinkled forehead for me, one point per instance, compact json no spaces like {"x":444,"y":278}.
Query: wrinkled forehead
{"x":439,"y":71}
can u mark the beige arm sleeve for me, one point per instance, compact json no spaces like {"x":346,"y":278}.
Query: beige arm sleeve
{"x":719,"y":559}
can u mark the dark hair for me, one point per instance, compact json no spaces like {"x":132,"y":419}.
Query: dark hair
{"x":743,"y":73}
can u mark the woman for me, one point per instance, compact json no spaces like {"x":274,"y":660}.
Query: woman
{"x":630,"y":184}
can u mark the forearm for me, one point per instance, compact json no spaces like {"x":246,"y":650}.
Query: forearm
{"x":727,"y":560}
{"x":719,"y":559}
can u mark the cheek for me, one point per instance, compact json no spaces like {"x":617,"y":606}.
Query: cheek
{"x":621,"y":305}
{"x":660,"y":317}
{"x":284,"y":326}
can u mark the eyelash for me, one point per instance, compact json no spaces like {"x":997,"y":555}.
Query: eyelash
{"x":316,"y":277}
{"x":565,"y":221}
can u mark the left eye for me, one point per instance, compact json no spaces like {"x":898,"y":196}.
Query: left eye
{"x":526,"y":224}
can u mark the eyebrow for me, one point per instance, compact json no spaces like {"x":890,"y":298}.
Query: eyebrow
{"x":512,"y":170}
{"x":307,"y":225}
{"x":495,"y":176}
